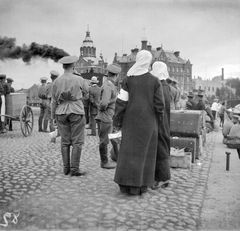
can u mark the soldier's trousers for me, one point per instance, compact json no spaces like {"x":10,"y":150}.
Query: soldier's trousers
{"x":104,"y":130}
{"x":71,"y":128}
{"x":43,"y":117}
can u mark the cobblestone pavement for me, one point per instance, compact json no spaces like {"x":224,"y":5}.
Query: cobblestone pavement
{"x":32,"y":183}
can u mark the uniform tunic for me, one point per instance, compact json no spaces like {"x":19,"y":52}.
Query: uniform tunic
{"x":138,"y":149}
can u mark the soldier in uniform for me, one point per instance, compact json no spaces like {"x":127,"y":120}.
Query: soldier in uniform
{"x":200,"y":105}
{"x":53,"y":76}
{"x":68,"y":111}
{"x":106,"y":113}
{"x":178,"y":95}
{"x":94,"y":99}
{"x":11,"y":90}
{"x":42,"y":94}
{"x":190,"y":104}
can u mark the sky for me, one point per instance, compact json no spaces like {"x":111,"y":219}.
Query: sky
{"x":207,"y":32}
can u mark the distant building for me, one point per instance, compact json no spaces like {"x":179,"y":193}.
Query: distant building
{"x":89,"y":64}
{"x":210,"y":86}
{"x":178,"y":68}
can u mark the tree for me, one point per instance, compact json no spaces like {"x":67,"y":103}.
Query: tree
{"x":234,"y":83}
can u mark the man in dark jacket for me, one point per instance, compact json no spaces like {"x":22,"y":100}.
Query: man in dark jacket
{"x":190,"y":105}
{"x":10,"y":90}
{"x":94,"y":99}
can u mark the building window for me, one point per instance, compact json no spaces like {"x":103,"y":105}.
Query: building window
{"x":209,"y":88}
{"x":213,"y":89}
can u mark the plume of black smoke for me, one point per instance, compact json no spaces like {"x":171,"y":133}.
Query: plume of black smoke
{"x":9,"y":50}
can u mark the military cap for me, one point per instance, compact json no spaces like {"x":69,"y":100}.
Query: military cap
{"x":55,"y":73}
{"x":68,"y":59}
{"x":43,"y":79}
{"x":174,"y":80}
{"x":113,"y":68}
{"x":200,"y":93}
{"x":9,"y":80}
{"x":2,"y":76}
{"x":190,"y":94}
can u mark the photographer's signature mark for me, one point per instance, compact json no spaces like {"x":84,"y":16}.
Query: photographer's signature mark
{"x":7,"y":216}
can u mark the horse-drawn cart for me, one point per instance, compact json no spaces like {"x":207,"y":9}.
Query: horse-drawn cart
{"x":18,"y":110}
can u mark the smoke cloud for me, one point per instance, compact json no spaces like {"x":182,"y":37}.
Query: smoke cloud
{"x":9,"y":50}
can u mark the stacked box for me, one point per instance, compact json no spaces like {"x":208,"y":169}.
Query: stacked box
{"x":15,"y":103}
{"x":188,"y":143}
{"x":181,"y":161}
{"x":187,"y":123}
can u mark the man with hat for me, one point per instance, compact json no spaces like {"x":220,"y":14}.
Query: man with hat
{"x":94,"y":98}
{"x":200,"y":105}
{"x":53,"y":76}
{"x":11,"y":90}
{"x":2,"y":102}
{"x":173,"y":93}
{"x":178,"y":93}
{"x":106,"y":113}
{"x":68,"y":111}
{"x":9,"y":82}
{"x":42,"y":94}
{"x":190,"y":104}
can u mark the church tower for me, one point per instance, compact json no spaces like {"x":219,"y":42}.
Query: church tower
{"x":87,"y":49}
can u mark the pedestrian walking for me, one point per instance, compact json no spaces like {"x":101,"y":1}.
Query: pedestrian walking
{"x":68,"y":111}
{"x":94,"y":99}
{"x":162,"y":170}
{"x":214,"y":108}
{"x":221,"y":113}
{"x":42,"y":94}
{"x":139,"y":104}
{"x":105,"y":114}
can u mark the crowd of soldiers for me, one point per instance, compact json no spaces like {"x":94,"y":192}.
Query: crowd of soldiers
{"x":140,"y":108}
{"x":5,"y":89}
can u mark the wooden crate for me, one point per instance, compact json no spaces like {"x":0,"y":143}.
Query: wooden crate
{"x":181,"y":161}
{"x":15,"y":103}
{"x":186,"y":123}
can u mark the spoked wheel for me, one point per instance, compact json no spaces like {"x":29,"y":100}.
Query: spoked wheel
{"x":26,"y":120}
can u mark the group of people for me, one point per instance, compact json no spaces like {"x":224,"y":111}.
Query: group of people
{"x":5,"y":89}
{"x":140,"y":109}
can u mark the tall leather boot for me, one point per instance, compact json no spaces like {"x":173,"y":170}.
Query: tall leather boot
{"x":40,"y":124}
{"x":114,"y":153}
{"x":45,"y":125}
{"x":104,"y":158}
{"x":75,"y":161}
{"x":66,"y":159}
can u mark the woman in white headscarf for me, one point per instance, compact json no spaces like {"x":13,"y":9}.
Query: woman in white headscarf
{"x":138,"y":105}
{"x":162,"y":171}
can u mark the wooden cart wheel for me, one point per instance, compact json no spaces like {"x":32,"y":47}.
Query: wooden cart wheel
{"x":26,"y":120}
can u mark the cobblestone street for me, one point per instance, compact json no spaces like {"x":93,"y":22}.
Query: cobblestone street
{"x":32,"y":183}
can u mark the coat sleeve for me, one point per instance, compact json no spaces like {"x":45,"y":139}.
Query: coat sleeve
{"x":159,"y":99}
{"x":106,"y":97}
{"x":121,"y":105}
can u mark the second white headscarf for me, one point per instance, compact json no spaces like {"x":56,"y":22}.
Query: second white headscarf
{"x":159,"y":69}
{"x":143,"y":61}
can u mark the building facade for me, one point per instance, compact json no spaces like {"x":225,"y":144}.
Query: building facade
{"x":178,"y":68}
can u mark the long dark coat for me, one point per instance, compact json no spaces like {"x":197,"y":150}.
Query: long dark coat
{"x":137,"y":155}
{"x":162,"y":171}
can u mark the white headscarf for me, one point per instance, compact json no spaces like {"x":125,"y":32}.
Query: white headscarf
{"x":159,"y":69}
{"x":143,"y":61}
